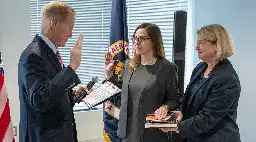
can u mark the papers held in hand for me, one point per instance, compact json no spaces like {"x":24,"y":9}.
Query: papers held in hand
{"x":101,"y":94}
{"x":168,"y":122}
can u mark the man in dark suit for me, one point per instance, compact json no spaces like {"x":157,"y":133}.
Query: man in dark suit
{"x":45,"y":85}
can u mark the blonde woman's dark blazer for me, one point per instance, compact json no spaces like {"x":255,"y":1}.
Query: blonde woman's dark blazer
{"x":210,"y":111}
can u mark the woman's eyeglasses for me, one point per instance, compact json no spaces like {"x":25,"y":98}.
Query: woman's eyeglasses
{"x":139,"y":39}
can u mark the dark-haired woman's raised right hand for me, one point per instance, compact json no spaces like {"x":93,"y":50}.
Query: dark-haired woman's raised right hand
{"x":109,"y":65}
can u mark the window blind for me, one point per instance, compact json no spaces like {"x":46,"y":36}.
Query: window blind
{"x":161,"y":13}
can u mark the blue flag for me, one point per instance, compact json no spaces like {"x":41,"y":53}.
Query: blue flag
{"x":119,"y":49}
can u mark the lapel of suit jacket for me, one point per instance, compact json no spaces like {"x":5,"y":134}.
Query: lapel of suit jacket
{"x":198,"y":86}
{"x":128,"y":76}
{"x":126,"y":79}
{"x":195,"y":75}
{"x":147,"y":78}
{"x":52,"y":56}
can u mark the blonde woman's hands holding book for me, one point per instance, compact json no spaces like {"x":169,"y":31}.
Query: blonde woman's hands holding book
{"x":179,"y":116}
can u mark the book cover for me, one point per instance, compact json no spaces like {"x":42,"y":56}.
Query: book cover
{"x":153,"y":122}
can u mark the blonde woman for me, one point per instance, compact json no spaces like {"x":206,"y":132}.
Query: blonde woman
{"x":209,"y":107}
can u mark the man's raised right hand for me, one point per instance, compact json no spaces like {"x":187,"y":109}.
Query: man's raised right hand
{"x":76,"y":53}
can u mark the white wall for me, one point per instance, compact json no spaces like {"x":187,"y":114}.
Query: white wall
{"x":14,"y":37}
{"x":238,"y":16}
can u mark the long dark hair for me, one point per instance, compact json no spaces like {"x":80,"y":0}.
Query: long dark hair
{"x":155,"y":35}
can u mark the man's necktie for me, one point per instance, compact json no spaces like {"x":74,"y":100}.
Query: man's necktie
{"x":59,"y":58}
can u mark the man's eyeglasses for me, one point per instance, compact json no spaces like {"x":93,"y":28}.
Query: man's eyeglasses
{"x":139,"y":39}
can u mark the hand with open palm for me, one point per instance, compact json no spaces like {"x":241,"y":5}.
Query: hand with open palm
{"x":109,"y":65}
{"x":76,"y":53}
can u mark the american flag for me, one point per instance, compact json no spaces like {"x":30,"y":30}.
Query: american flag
{"x":6,"y":131}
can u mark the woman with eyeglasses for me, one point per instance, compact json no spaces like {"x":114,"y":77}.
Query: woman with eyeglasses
{"x":149,"y":85}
